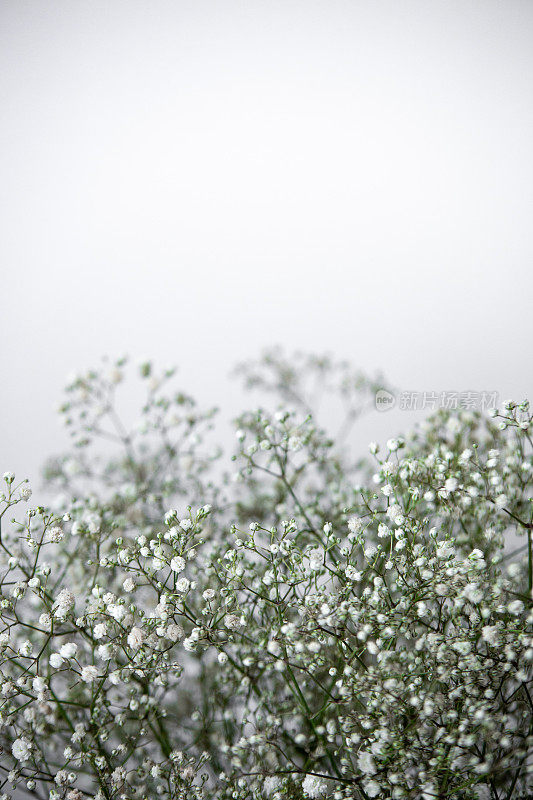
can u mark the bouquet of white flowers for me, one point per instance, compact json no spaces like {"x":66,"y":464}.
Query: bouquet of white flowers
{"x":311,"y":626}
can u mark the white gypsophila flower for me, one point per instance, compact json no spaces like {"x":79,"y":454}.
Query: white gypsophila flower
{"x":61,"y":778}
{"x":274,"y":648}
{"x":174,"y":632}
{"x":313,"y":786}
{"x":45,"y":621}
{"x":515,"y":607}
{"x":128,"y":585}
{"x":451,"y":484}
{"x":117,"y":611}
{"x":136,"y":637}
{"x":177,"y":564}
{"x":21,"y":749}
{"x":25,"y":648}
{"x":104,"y":652}
{"x":68,"y":650}
{"x":100,"y":630}
{"x":445,"y":549}
{"x":352,"y":574}
{"x":372,"y":788}
{"x":316,"y":559}
{"x":39,"y":685}
{"x":232,"y":622}
{"x":270,"y":785}
{"x":370,"y":550}
{"x":355,"y":524}
{"x":18,"y":590}
{"x":183,"y":584}
{"x":89,"y":673}
{"x":473,"y":593}
{"x":55,"y":535}
{"x":383,"y":530}
{"x":489,"y":634}
{"x":65,"y":600}
{"x":366,"y":763}
{"x":394,"y":512}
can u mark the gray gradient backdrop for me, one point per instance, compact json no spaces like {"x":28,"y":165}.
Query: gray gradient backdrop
{"x":193,"y":181}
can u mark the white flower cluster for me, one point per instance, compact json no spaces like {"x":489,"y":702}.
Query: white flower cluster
{"x":311,"y":630}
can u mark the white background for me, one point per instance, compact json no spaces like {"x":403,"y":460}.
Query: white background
{"x":194,"y":181}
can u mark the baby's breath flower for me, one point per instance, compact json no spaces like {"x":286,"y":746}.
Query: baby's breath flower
{"x":338,"y":632}
{"x":21,"y":748}
{"x":136,"y":637}
{"x":89,"y":673}
{"x":314,"y":786}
